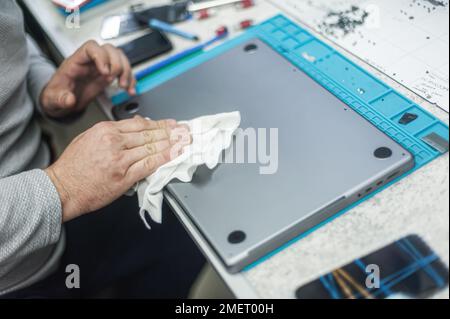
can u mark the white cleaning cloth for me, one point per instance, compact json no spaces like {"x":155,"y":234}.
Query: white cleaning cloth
{"x":210,"y":136}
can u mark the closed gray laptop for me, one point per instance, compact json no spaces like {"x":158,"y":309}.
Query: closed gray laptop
{"x":328,"y":155}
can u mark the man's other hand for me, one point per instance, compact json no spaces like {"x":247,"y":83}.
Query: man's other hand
{"x":85,"y":75}
{"x":104,"y":162}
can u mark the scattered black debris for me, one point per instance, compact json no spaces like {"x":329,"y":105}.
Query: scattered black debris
{"x":342,"y":23}
{"x":339,"y":24}
{"x":437,"y":3}
{"x":428,"y":5}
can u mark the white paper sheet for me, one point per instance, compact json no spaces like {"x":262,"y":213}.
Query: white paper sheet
{"x":406,"y":39}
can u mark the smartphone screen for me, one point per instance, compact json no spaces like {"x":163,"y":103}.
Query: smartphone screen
{"x":146,"y":47}
{"x":408,"y":268}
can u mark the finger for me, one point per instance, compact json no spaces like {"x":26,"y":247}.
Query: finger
{"x":133,"y":84}
{"x":173,"y":135}
{"x":95,"y":88}
{"x":76,"y":70}
{"x":179,"y":140}
{"x":136,"y":139}
{"x":138,"y":124}
{"x":139,"y":153}
{"x":147,"y":166}
{"x":115,"y":61}
{"x":92,"y":52}
{"x":127,"y":80}
{"x":179,"y":133}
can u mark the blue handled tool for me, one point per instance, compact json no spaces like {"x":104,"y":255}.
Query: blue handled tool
{"x":220,"y":34}
{"x":123,"y":96}
{"x":166,"y":27}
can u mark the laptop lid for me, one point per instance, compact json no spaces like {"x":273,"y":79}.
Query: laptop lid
{"x":324,"y":155}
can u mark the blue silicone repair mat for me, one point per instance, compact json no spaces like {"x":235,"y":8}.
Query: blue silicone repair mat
{"x":407,"y":123}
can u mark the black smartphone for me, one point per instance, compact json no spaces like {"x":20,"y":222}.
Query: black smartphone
{"x":173,"y":13}
{"x":407,"y":268}
{"x":147,"y":47}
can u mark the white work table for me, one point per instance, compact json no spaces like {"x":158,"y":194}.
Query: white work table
{"x":418,"y":204}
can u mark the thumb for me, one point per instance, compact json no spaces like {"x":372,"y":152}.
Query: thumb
{"x":64,"y":99}
{"x":57,"y":102}
{"x":57,"y":99}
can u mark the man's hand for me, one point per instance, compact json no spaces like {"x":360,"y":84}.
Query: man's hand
{"x":83,"y":76}
{"x":107,"y":160}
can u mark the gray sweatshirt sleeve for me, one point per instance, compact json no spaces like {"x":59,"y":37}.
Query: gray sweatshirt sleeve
{"x":30,"y":214}
{"x":40,"y":72}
